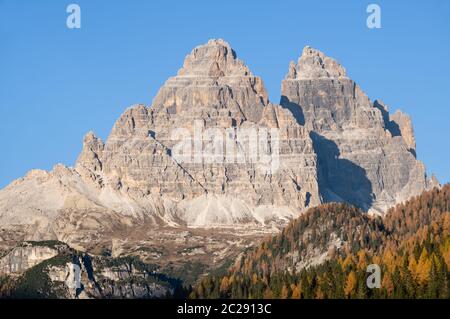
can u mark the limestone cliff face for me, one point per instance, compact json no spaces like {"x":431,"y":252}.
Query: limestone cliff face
{"x":89,"y":159}
{"x":365,"y":156}
{"x":213,"y":78}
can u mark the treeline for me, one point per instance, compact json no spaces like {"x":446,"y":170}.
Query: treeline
{"x":411,"y":245}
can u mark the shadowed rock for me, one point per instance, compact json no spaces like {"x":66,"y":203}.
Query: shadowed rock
{"x":366,"y":156}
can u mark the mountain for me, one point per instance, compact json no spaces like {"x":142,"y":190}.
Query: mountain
{"x":366,"y":156}
{"x":212,"y":166}
{"x":326,"y":251}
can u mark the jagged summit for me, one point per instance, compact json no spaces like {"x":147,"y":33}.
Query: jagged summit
{"x":89,"y":159}
{"x":212,"y":77}
{"x":215,"y":59}
{"x":315,"y":64}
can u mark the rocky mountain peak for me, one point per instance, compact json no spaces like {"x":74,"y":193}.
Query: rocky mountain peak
{"x":406,"y":128}
{"x":216,"y":59}
{"x":366,"y":156}
{"x":398,"y":124}
{"x":92,"y":150}
{"x":314,"y":64}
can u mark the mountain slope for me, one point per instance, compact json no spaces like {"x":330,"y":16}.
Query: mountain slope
{"x":411,"y":245}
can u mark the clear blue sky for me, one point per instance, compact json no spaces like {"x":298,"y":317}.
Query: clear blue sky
{"x":56,"y":84}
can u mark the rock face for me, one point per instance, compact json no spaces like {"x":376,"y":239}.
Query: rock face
{"x":53,"y":270}
{"x":212,"y":152}
{"x":24,"y":257}
{"x":366,"y":156}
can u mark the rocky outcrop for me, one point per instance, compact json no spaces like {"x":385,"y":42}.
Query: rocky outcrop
{"x":88,"y":162}
{"x":366,"y":156}
{"x":53,"y":270}
{"x":25,"y":256}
